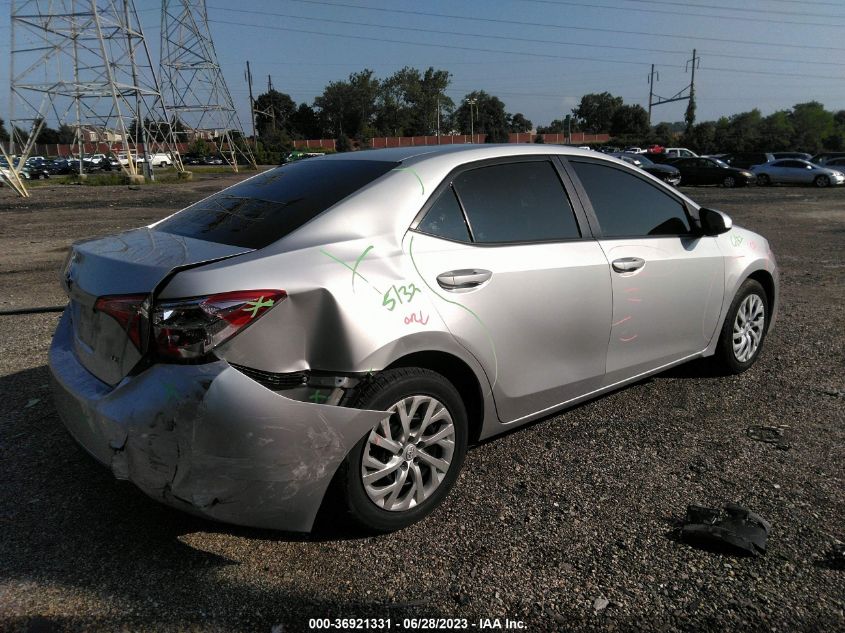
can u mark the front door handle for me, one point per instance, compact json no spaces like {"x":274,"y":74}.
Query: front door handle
{"x":463,"y":279}
{"x":628,"y":264}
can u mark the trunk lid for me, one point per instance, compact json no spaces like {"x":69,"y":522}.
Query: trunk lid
{"x":130,"y":263}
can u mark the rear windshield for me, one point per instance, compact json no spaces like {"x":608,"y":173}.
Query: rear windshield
{"x":264,"y":209}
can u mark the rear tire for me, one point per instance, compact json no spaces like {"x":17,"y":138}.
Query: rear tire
{"x":821,"y":181}
{"x":744,"y":329}
{"x":409,"y":449}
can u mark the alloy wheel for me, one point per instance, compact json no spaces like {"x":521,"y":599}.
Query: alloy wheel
{"x":407,"y":455}
{"x":822,"y":181}
{"x":748,"y":327}
{"x":730,"y":181}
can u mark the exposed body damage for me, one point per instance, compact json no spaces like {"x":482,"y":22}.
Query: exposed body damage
{"x":253,"y":431}
{"x":207,"y":439}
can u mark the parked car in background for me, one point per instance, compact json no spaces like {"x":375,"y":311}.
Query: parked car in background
{"x":712,"y":171}
{"x":746,"y":160}
{"x":235,"y":368}
{"x":679,"y":152}
{"x":821,"y":159}
{"x":634,"y":150}
{"x":795,"y":171}
{"x":836,"y":163}
{"x":801,"y":155}
{"x":665,"y":172}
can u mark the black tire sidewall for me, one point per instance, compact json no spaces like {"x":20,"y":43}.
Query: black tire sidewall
{"x":401,"y":384}
{"x":724,"y":351}
{"x":822,"y":181}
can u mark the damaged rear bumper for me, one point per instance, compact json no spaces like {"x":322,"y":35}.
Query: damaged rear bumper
{"x":207,"y":439}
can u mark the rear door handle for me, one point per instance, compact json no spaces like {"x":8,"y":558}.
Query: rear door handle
{"x":628,"y":264}
{"x":463,"y":279}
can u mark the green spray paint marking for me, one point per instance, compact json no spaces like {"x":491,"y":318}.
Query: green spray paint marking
{"x":316,"y":396}
{"x":736,"y":240}
{"x":422,"y":187}
{"x":460,"y":305}
{"x":255,"y":306}
{"x":355,"y":269}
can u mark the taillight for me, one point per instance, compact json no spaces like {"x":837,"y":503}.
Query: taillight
{"x":126,"y":310}
{"x":191,"y":328}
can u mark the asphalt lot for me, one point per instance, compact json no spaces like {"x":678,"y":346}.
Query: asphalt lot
{"x":542,"y":522}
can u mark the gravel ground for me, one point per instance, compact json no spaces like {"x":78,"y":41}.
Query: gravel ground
{"x":546,"y":525}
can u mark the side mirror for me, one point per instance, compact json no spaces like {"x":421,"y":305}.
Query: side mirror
{"x":714,"y":222}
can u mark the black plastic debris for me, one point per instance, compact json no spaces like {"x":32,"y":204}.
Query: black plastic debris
{"x":768,"y":434}
{"x":731,"y":527}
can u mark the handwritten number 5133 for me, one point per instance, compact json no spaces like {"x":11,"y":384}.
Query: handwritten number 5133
{"x":403,"y":294}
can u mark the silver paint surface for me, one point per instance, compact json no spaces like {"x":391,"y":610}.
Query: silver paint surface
{"x":554,"y":325}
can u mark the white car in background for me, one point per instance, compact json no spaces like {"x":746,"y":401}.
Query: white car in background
{"x":679,"y":152}
{"x":796,"y":171}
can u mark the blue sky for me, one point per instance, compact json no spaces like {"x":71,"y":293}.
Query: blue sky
{"x":789,"y":51}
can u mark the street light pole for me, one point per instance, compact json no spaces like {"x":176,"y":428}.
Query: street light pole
{"x":471,"y":103}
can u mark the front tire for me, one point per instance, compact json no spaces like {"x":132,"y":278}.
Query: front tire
{"x":405,"y":466}
{"x":729,"y":182}
{"x":822,"y":181}
{"x":763,"y":180}
{"x":744,"y":329}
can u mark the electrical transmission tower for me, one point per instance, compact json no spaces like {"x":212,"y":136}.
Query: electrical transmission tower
{"x":85,"y":64}
{"x":192,"y":82}
{"x":655,"y":100}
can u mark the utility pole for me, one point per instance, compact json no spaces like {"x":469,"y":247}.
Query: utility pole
{"x":654,"y":99}
{"x":651,"y":90}
{"x":471,"y":103}
{"x":251,"y":104}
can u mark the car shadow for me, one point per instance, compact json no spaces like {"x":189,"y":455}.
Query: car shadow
{"x":68,"y":522}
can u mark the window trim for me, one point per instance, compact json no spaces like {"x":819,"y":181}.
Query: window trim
{"x":566,"y":161}
{"x":581,"y":220}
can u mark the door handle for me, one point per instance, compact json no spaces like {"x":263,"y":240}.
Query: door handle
{"x":463,"y":279}
{"x":628,"y":264}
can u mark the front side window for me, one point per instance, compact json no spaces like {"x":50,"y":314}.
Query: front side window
{"x":627,"y":206}
{"x":516,"y":202}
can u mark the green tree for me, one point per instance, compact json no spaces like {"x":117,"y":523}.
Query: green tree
{"x":304,"y":123}
{"x":663,"y":133}
{"x":4,"y":135}
{"x":343,"y":144}
{"x":273,"y":111}
{"x":689,"y":114}
{"x":702,"y":138}
{"x":486,"y":115}
{"x":595,"y":112}
{"x":744,"y":132}
{"x":629,"y":120}
{"x":811,"y":124}
{"x":518,"y":123}
{"x":200,"y":147}
{"x":776,"y":132}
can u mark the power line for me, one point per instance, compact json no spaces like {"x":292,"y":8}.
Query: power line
{"x":573,"y":28}
{"x":507,"y":52}
{"x":531,"y":40}
{"x":696,"y":15}
{"x":739,"y":9}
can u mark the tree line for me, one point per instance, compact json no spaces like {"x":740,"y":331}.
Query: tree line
{"x":806,"y":127}
{"x":413,"y":102}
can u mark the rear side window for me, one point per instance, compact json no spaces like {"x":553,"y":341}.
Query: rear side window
{"x":516,"y":202}
{"x":265,"y":208}
{"x":445,"y":218}
{"x":627,"y":206}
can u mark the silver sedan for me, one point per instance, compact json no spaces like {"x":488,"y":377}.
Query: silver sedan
{"x":353,"y":322}
{"x":797,"y":171}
